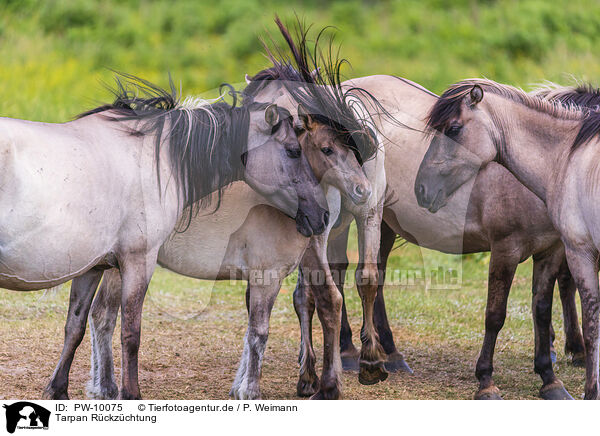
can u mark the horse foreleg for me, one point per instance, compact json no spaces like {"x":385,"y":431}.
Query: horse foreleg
{"x":583,"y":266}
{"x":136,"y":272}
{"x":261,"y":299}
{"x":395,"y":361}
{"x":338,"y":264}
{"x":574,"y":346}
{"x":545,"y":272}
{"x":102,"y":320}
{"x":304,"y":304}
{"x":372,"y":355}
{"x":328,"y":300}
{"x":503,"y":264}
{"x":82,"y":292}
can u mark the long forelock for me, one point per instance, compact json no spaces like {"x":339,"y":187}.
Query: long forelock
{"x":313,"y":79}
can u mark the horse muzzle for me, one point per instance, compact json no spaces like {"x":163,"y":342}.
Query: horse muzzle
{"x":312,"y":224}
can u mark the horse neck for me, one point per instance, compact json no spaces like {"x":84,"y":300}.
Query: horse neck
{"x":272,"y":91}
{"x":532,"y":145}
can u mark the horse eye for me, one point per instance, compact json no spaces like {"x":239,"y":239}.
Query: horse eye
{"x":453,"y":130}
{"x":293,"y":153}
{"x":327,"y":150}
{"x":275,"y":128}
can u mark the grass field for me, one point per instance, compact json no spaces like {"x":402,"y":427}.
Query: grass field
{"x":54,"y":56}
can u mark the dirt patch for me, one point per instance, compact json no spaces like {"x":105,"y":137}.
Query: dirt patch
{"x":197,"y":358}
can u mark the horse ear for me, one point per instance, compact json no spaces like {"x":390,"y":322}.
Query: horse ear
{"x":304,"y":117}
{"x":476,"y":95}
{"x":272,"y":115}
{"x":247,"y":78}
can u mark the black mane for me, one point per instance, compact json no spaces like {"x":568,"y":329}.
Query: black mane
{"x":586,"y":97}
{"x":206,"y":143}
{"x":583,"y":95}
{"x":313,"y":80}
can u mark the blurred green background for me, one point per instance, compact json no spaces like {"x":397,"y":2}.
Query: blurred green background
{"x":55,"y":52}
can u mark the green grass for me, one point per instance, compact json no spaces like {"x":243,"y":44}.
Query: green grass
{"x":54,"y":53}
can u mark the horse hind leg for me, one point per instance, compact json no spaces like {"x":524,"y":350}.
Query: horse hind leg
{"x":102,"y":320}
{"x":82,"y":292}
{"x":395,"y":360}
{"x":304,"y":305}
{"x":574,"y":346}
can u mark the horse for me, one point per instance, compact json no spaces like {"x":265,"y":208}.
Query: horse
{"x":219,"y":247}
{"x":495,"y":212}
{"x":550,"y":148}
{"x":124,"y":173}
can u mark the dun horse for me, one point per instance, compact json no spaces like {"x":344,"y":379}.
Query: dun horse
{"x":124,"y":173}
{"x":552,"y":150}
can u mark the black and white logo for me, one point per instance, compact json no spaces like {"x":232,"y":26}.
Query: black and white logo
{"x":26,"y":415}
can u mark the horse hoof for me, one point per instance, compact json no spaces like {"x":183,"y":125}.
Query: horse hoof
{"x":110,"y":392}
{"x":578,"y":360}
{"x":491,"y":393}
{"x":51,"y":394}
{"x":396,"y":363}
{"x":372,"y":373}
{"x":555,"y":391}
{"x":350,"y":364}
{"x":125,"y":395}
{"x":243,"y":392}
{"x":330,"y":394}
{"x":553,"y":356}
{"x":306,"y":388}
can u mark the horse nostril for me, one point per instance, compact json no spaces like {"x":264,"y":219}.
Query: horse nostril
{"x":421,"y":191}
{"x":326,"y":218}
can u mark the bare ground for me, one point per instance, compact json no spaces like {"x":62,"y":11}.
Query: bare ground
{"x":197,"y":358}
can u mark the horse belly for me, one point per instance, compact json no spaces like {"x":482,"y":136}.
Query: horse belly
{"x":57,"y":220}
{"x":243,"y":235}
{"x":32,"y":264}
{"x":200,"y":250}
{"x":38,"y":250}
